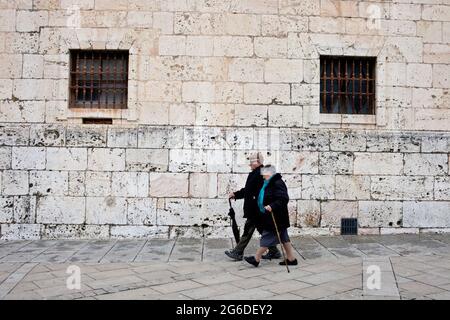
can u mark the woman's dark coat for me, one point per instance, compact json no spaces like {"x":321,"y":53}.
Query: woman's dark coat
{"x":276,"y":196}
{"x":250,"y":193}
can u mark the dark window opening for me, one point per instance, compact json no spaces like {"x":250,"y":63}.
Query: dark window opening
{"x":347,"y":85}
{"x":98,"y":79}
{"x":97,"y":121}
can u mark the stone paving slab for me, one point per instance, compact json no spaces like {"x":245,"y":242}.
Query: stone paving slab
{"x":414,"y":267}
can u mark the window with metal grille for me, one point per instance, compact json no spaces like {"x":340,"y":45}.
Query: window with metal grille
{"x":347,"y":85}
{"x":98,"y":79}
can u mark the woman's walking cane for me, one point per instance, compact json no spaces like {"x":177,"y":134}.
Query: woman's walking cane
{"x":279,"y":239}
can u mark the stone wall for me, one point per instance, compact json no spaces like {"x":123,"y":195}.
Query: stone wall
{"x":210,"y":81}
{"x":101,"y":181}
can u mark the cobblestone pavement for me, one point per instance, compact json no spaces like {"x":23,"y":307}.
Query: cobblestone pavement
{"x":411,"y":267}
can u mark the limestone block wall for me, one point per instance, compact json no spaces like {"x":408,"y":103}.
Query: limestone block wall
{"x":66,"y":181}
{"x":210,"y":81}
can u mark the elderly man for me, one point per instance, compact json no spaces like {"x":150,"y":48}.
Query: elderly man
{"x":250,"y":193}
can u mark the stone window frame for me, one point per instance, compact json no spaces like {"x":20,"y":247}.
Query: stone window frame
{"x":133,"y":41}
{"x":347,"y":45}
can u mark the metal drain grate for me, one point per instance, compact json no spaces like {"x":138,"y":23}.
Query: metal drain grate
{"x":349,"y":226}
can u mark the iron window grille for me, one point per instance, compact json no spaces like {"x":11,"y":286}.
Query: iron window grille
{"x":98,"y":79}
{"x":347,"y":85}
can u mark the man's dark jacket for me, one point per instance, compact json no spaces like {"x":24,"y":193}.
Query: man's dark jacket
{"x":276,"y":196}
{"x":250,"y":193}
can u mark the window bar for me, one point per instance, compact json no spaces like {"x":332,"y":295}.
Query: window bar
{"x":75,"y":78}
{"x":124,"y":81}
{"x":353,"y":84}
{"x":114,"y":80}
{"x":360,"y":86}
{"x":367,"y":88}
{"x":84,"y":78}
{"x":100,"y":80}
{"x":92,"y":73}
{"x":332,"y":85}
{"x":339,"y":86}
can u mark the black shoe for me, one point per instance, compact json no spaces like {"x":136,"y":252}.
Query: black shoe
{"x":272,"y":255}
{"x":234,"y":255}
{"x":289,"y":263}
{"x":252,"y":261}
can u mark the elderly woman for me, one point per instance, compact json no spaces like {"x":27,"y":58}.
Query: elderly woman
{"x":273,"y":199}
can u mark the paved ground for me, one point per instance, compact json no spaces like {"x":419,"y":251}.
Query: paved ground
{"x":410,"y":267}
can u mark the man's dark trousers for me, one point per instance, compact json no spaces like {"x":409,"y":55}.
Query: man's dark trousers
{"x":249,"y":229}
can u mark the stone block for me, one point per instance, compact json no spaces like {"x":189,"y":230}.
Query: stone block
{"x":6,"y":209}
{"x":430,"y":31}
{"x":163,"y":21}
{"x":246,"y":70}
{"x":352,"y":187}
{"x":198,"y":92}
{"x":141,"y":211}
{"x":172,"y":45}
{"x":219,"y":160}
{"x":147,"y":159}
{"x":23,"y":111}
{"x":127,"y":232}
{"x":6,"y":86}
{"x":243,"y":24}
{"x":299,"y":162}
{"x":441,"y":78}
{"x":347,"y":141}
{"x":47,"y":135}
{"x":14,"y":182}
{"x":98,"y":183}
{"x":239,"y":138}
{"x":209,"y":114}
{"x":336,"y":163}
{"x":61,"y":210}
{"x":77,"y":183}
{"x":294,"y":185}
{"x":200,"y":46}
{"x":285,"y":116}
{"x":75,"y":231}
{"x":442,"y":188}
{"x":198,"y":137}
{"x":255,"y":93}
{"x":283,"y":70}
{"x":203,"y":185}
{"x":66,"y":158}
{"x":320,"y":187}
{"x":106,"y":210}
{"x":5,"y":158}
{"x":33,"y":66}
{"x":426,"y":214}
{"x":271,"y":47}
{"x":310,"y":140}
{"x":182,"y":114}
{"x":130,"y":184}
{"x":401,"y":187}
{"x":14,"y":135}
{"x":392,"y":142}
{"x":380,"y":214}
{"x":122,"y":138}
{"x":160,"y":137}
{"x":426,"y":164}
{"x":25,"y":209}
{"x":435,"y":12}
{"x":227,"y":183}
{"x":107,"y":159}
{"x":334,"y":211}
{"x":169,"y":184}
{"x":251,"y":115}
{"x":28,"y":158}
{"x":18,"y":231}
{"x":49,"y":183}
{"x":11,"y":66}
{"x":436,"y":53}
{"x":233,"y":46}
{"x":31,"y":21}
{"x":308,"y":213}
{"x":299,"y":7}
{"x":418,"y":75}
{"x":282,"y":26}
{"x":8,"y":20}
{"x":378,"y":163}
{"x":78,"y":136}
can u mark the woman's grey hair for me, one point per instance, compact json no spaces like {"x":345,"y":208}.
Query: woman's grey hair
{"x":268,"y":169}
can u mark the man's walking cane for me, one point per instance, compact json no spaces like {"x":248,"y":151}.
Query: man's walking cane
{"x":279,"y":239}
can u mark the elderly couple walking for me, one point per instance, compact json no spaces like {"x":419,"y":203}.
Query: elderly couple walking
{"x":264,"y":194}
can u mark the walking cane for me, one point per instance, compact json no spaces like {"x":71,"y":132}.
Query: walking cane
{"x":279,"y":239}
